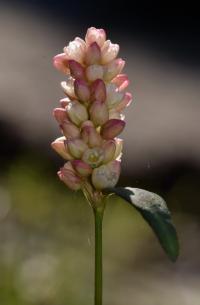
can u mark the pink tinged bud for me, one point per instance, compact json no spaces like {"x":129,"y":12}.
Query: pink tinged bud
{"x":113,"y":68}
{"x":77,"y":112}
{"x":113,"y":96}
{"x":121,"y":81}
{"x":119,"y":146}
{"x":59,"y":146}
{"x":60,"y":115}
{"x":112,"y":128}
{"x":70,"y":130}
{"x":99,"y":113}
{"x":60,"y":62}
{"x":76,"y":147}
{"x":64,"y":102}
{"x":87,"y":123}
{"x":94,"y":72}
{"x":82,"y":168}
{"x":109,"y":150}
{"x":82,"y":90}
{"x":114,"y":114}
{"x":93,"y":54}
{"x":76,"y":50}
{"x":90,"y":136}
{"x":69,"y":177}
{"x":109,"y":52}
{"x":98,"y":90}
{"x":95,"y":35}
{"x":126,"y":101}
{"x":68,"y":87}
{"x":106,"y":175}
{"x":93,"y":156}
{"x":77,"y":71}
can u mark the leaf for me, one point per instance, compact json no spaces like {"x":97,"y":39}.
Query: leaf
{"x":154,"y":210}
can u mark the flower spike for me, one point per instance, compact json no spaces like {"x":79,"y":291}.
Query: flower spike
{"x":91,"y":116}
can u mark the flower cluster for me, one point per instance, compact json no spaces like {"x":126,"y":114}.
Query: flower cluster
{"x":90,"y":116}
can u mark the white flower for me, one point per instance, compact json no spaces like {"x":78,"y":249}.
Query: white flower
{"x":106,"y":176}
{"x":113,"y":96}
{"x":95,"y":35}
{"x":109,"y":52}
{"x":76,"y":50}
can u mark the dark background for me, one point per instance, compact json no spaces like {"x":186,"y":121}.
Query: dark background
{"x":46,"y":231}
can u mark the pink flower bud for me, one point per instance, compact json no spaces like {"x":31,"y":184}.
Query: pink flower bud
{"x":109,"y":52}
{"x":76,"y":69}
{"x":119,"y":146}
{"x":59,"y":146}
{"x":76,"y":50}
{"x":64,"y":102}
{"x":95,"y":35}
{"x":68,"y":87}
{"x":113,"y":96}
{"x":126,"y":101}
{"x":112,"y":128}
{"x":106,"y":175}
{"x":114,"y":114}
{"x":99,"y":113}
{"x":109,"y":148}
{"x":60,"y":62}
{"x":70,"y":130}
{"x":98,"y":90}
{"x":60,"y":115}
{"x":87,"y":123}
{"x":93,"y":54}
{"x":82,"y":90}
{"x":93,"y":156}
{"x":69,"y":177}
{"x":121,"y":81}
{"x":76,"y":147}
{"x":90,"y":136}
{"x":82,"y":168}
{"x":113,"y":68}
{"x":77,"y":112}
{"x":94,"y":72}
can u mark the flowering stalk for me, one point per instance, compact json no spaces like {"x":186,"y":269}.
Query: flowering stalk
{"x":90,"y":118}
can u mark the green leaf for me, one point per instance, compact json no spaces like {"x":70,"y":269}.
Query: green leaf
{"x":154,"y":210}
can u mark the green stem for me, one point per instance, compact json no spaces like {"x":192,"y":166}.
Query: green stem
{"x":98,"y":217}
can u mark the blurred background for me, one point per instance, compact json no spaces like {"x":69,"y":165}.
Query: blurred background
{"x":46,"y":231}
